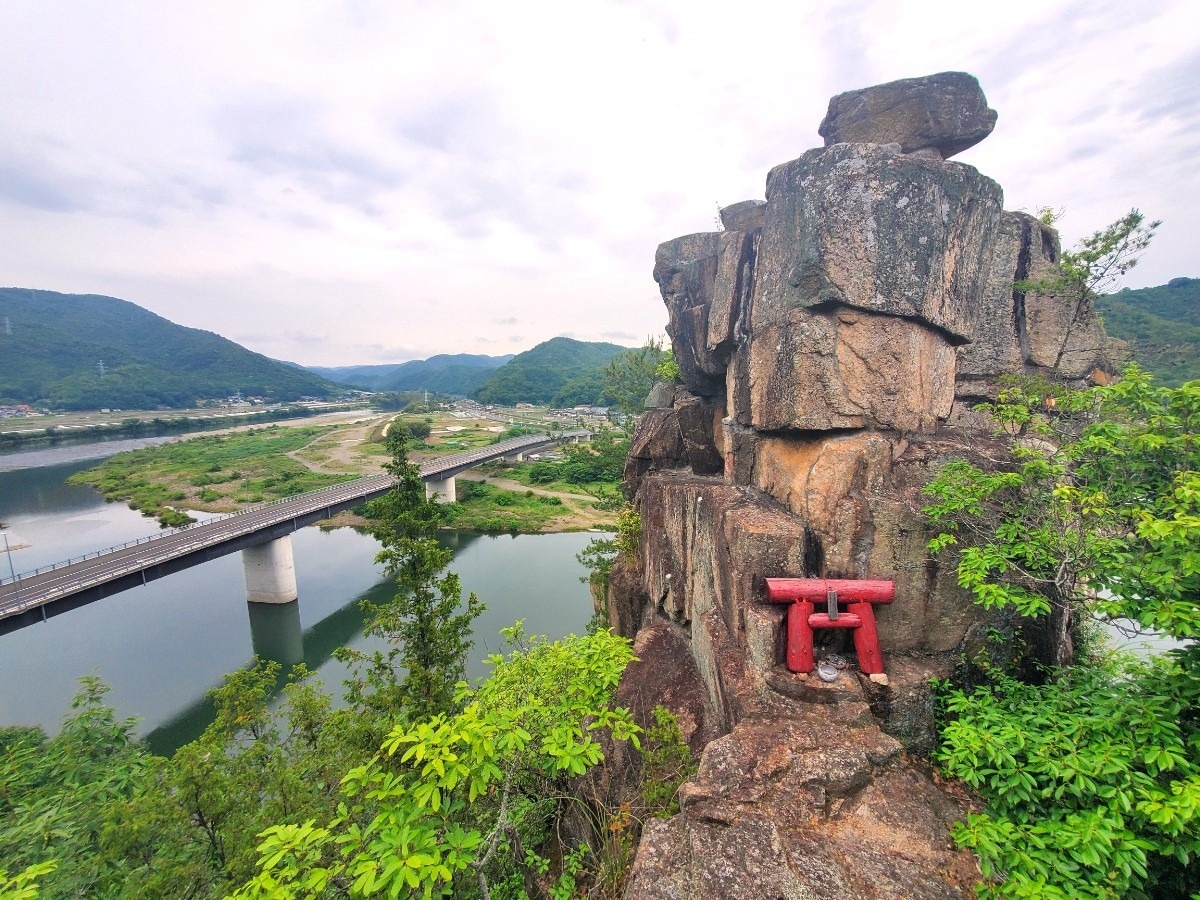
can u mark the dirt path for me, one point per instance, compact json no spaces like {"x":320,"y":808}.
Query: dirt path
{"x":339,"y":449}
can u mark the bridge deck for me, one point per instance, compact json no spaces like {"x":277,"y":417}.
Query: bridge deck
{"x":50,"y":591}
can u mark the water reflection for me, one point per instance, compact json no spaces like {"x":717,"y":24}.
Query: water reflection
{"x":163,"y":645}
{"x":531,"y":577}
{"x":275,"y":632}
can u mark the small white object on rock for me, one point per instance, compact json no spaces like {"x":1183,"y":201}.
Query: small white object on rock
{"x":879,"y":678}
{"x":827,"y":672}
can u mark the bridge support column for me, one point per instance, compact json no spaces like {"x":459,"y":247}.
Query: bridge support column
{"x":270,"y":572}
{"x":443,"y":488}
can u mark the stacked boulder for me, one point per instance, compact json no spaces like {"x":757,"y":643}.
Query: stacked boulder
{"x":832,"y":343}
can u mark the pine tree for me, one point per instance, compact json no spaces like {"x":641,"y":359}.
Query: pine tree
{"x":427,"y":623}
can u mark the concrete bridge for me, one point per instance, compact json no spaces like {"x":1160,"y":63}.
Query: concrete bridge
{"x":262,"y":533}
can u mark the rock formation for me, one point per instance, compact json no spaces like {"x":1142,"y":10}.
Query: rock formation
{"x":832,"y":342}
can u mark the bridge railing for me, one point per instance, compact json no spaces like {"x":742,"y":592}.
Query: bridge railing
{"x":445,"y":462}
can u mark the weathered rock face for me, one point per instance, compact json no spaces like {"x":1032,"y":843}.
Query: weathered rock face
{"x":826,"y":236}
{"x":831,"y":343}
{"x":816,"y":806}
{"x":704,"y":279}
{"x":939,"y":114}
{"x":844,"y":368}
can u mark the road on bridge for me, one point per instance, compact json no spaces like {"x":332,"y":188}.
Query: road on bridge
{"x":49,"y":591}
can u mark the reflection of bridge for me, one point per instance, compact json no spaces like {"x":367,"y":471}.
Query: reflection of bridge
{"x":262,"y":532}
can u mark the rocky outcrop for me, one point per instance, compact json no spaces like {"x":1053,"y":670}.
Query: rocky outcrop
{"x":819,"y":806}
{"x":938,"y":115}
{"x":704,"y":279}
{"x":831,"y":342}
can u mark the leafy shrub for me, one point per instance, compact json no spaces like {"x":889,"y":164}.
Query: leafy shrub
{"x":1091,"y":782}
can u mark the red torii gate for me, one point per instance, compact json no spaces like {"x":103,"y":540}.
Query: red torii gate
{"x":805,"y":593}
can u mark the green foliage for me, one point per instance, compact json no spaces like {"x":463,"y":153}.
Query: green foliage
{"x":297,"y":802}
{"x":668,"y":369}
{"x":1100,"y":260}
{"x":599,"y":462}
{"x":1161,"y":325}
{"x":598,"y":557}
{"x":415,"y":428}
{"x":629,"y":532}
{"x":587,"y":389}
{"x":58,"y":340}
{"x":1091,"y":783}
{"x":1100,"y":508}
{"x":668,"y":763}
{"x":54,"y":796}
{"x":435,"y":813}
{"x":486,"y":508}
{"x":427,"y":626}
{"x":451,"y":374}
{"x":537,"y":375}
{"x":631,"y":374}
{"x":1092,"y":779}
{"x":24,"y":885}
{"x":251,"y":463}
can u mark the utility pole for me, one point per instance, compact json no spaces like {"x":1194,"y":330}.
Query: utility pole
{"x":7,"y":326}
{"x":8,"y":551}
{"x":100,"y":368}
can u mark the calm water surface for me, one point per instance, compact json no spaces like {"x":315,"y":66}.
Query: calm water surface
{"x":163,"y":645}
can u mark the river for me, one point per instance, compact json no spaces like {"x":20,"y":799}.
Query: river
{"x":162,"y":646}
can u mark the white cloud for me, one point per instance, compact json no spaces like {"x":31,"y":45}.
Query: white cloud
{"x":332,"y":182}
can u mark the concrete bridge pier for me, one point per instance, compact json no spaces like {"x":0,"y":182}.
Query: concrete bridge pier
{"x":443,"y":488}
{"x":270,"y":572}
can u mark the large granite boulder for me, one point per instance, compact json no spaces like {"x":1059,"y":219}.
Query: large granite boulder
{"x":1021,"y":324}
{"x":939,"y":115}
{"x":814,"y":805}
{"x":833,"y":341}
{"x":830,"y":234}
{"x":744,"y":216}
{"x":848,"y":327}
{"x":823,"y":370}
{"x":705,"y":280}
{"x":682,"y":434}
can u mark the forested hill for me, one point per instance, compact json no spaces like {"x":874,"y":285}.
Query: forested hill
{"x":1161,"y":325}
{"x":446,"y":373}
{"x":560,"y":372}
{"x":54,"y":346}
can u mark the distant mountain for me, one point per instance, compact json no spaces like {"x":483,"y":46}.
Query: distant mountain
{"x":446,"y":373}
{"x":1162,"y":327}
{"x":560,"y":372}
{"x":85,"y":351}
{"x":366,"y":377}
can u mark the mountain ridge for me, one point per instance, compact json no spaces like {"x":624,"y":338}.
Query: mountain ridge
{"x":90,"y":351}
{"x":1161,"y":326}
{"x":561,"y":372}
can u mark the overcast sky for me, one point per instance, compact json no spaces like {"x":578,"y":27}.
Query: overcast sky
{"x":369,"y":182}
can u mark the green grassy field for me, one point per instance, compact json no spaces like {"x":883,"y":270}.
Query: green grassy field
{"x":224,"y":473}
{"x":215,"y":473}
{"x":492,"y":510}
